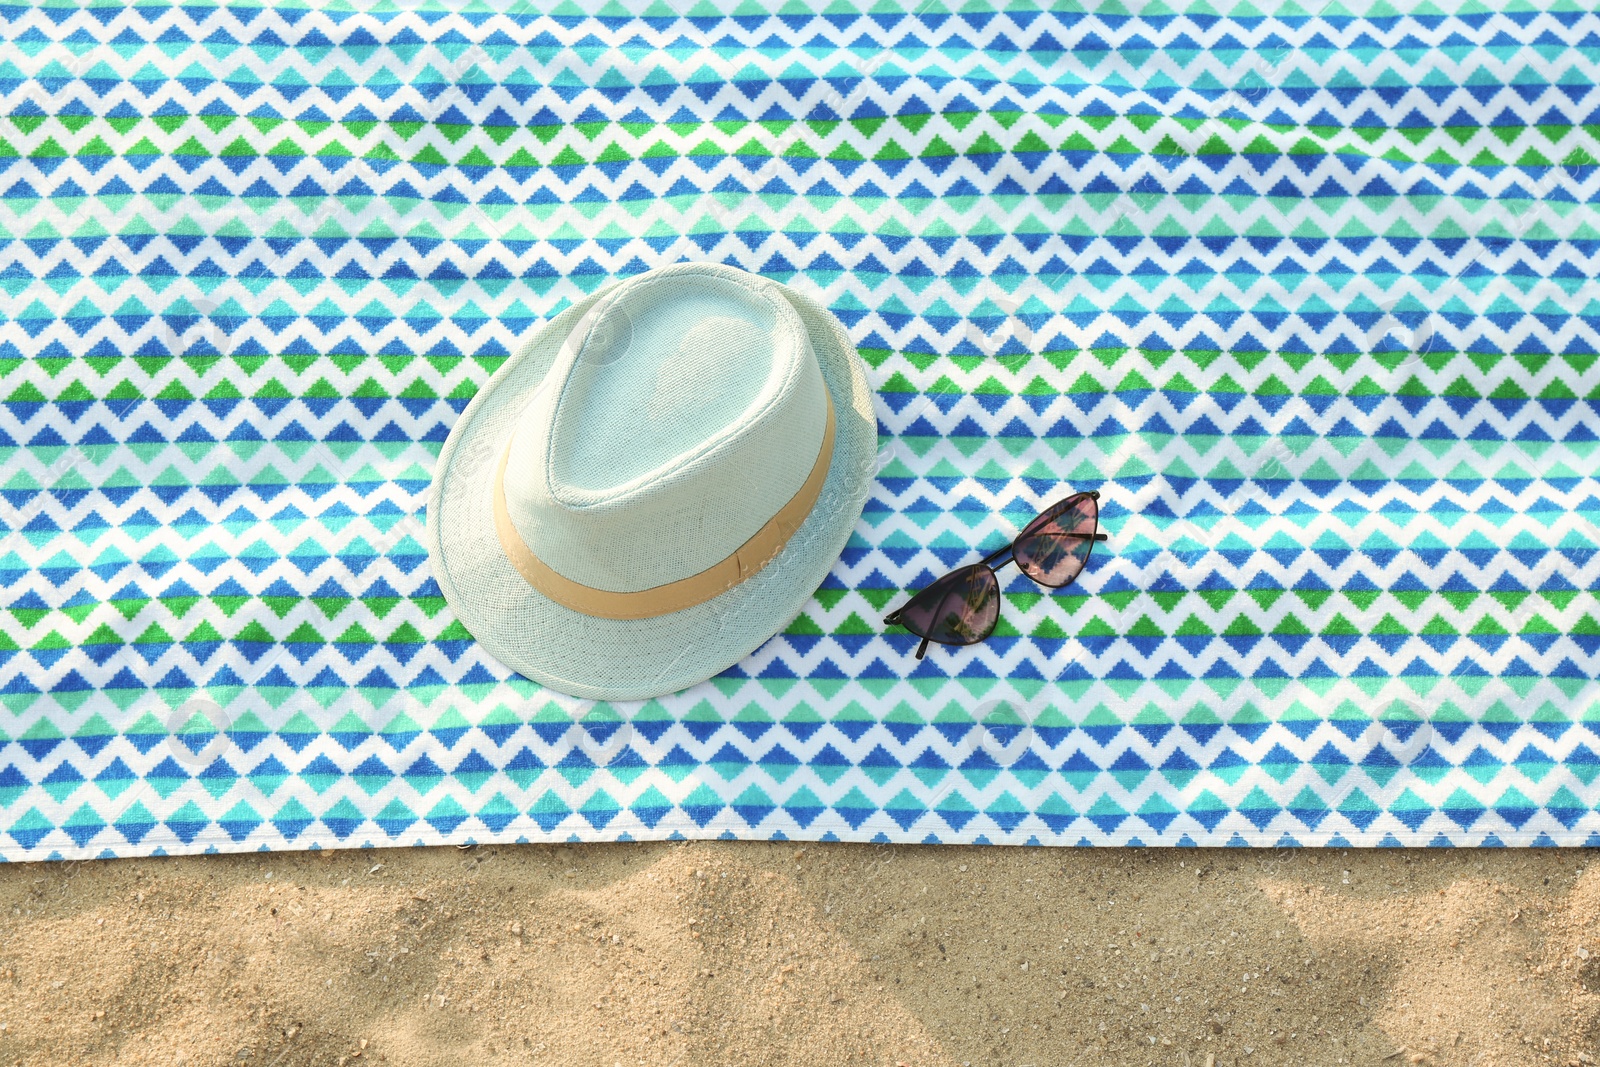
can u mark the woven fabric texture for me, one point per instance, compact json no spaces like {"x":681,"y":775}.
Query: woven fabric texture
{"x":1310,"y":298}
{"x":622,"y":472}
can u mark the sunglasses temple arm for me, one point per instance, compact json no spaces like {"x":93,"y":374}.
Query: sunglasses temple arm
{"x":922,"y":648}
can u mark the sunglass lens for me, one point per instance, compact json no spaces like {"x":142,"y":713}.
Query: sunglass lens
{"x":959,"y":609}
{"x":1054,"y":547}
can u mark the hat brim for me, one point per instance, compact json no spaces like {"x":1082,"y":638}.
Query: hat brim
{"x":611,"y":659}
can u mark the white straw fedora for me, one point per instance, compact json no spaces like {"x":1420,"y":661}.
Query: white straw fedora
{"x":655,"y":484}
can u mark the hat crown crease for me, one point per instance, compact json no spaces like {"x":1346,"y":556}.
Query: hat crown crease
{"x":680,"y":416}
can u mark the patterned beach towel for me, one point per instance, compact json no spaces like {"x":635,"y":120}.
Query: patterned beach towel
{"x":1310,"y":298}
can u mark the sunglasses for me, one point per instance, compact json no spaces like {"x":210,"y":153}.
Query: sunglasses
{"x":962,"y":607}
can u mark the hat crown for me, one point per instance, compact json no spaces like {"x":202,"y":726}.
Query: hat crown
{"x":681,"y":414}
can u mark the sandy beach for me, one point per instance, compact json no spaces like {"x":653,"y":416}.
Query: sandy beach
{"x":756,"y":953}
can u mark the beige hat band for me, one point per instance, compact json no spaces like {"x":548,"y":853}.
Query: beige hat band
{"x":746,"y":560}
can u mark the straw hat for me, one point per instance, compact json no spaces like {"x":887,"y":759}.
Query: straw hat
{"x":655,"y":484}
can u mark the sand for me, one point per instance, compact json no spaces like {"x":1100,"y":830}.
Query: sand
{"x":749,"y":953}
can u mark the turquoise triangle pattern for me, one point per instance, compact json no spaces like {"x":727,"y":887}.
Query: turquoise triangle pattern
{"x":1310,"y":298}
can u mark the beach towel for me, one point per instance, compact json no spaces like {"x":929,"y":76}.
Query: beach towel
{"x":1309,"y":297}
